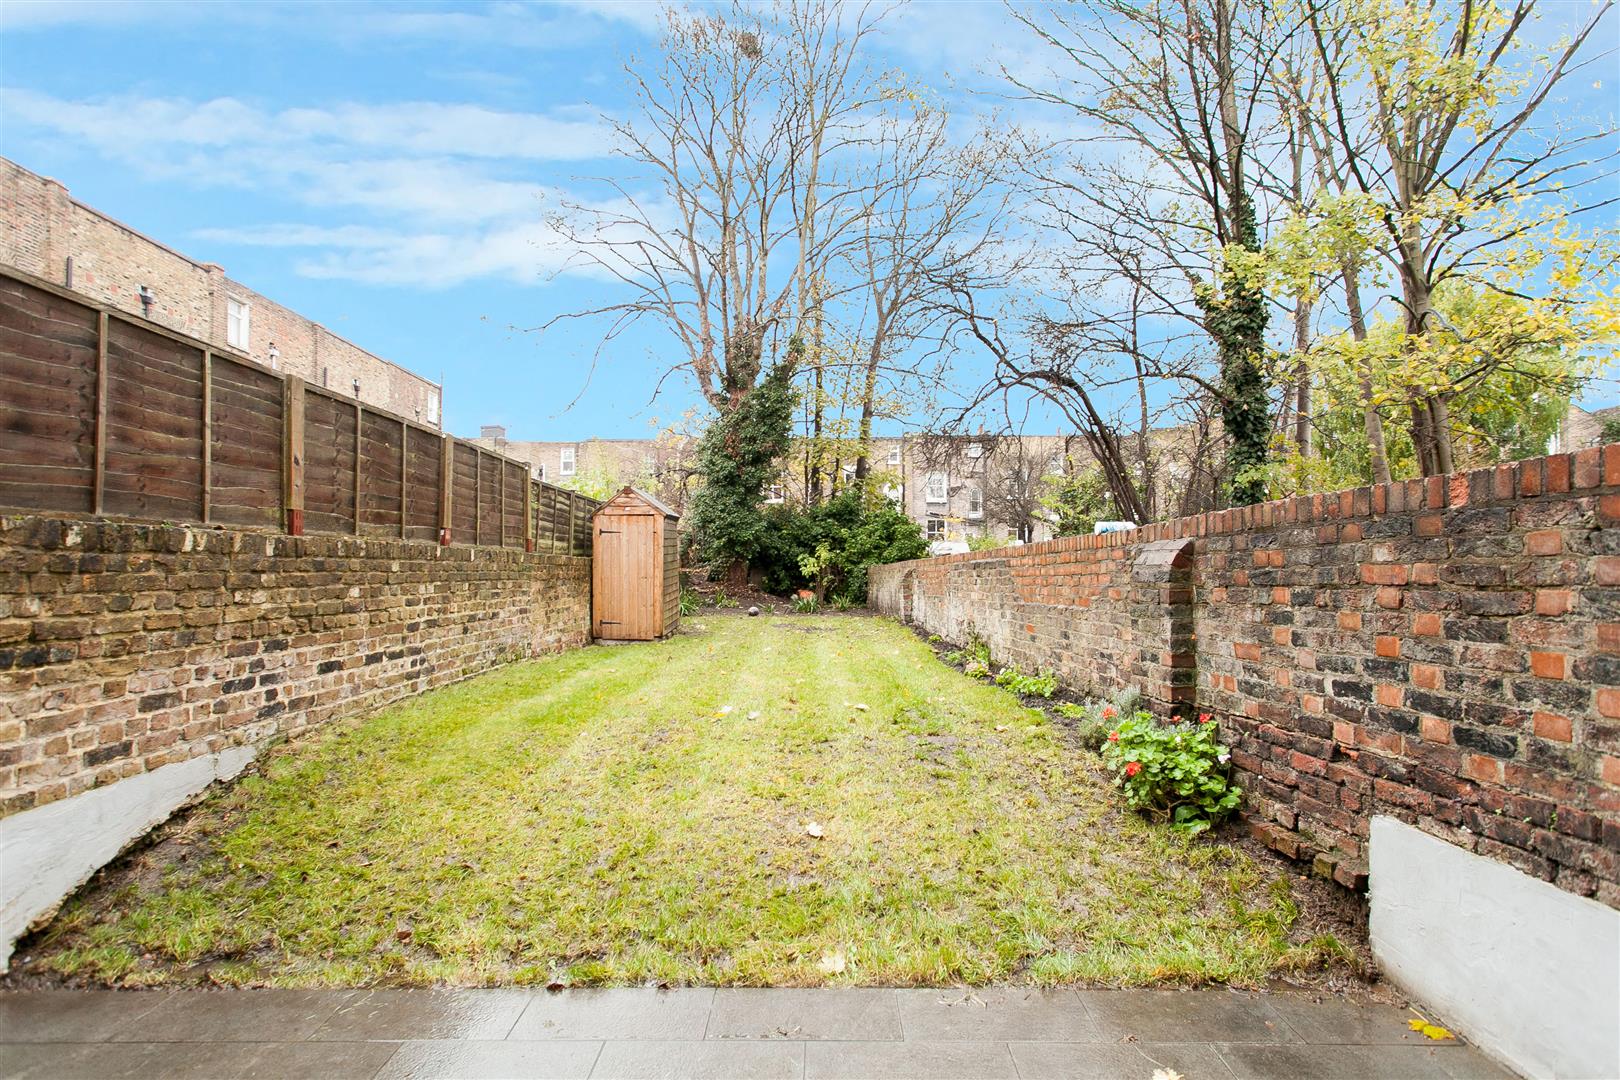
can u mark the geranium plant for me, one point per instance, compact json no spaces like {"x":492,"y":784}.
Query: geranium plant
{"x":1174,"y":772}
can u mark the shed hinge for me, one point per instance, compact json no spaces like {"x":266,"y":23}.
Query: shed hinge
{"x":605,"y":532}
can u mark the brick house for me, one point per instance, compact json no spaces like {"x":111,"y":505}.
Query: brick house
{"x":54,"y":237}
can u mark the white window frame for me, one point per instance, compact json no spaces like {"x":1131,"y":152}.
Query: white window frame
{"x":238,"y":323}
{"x":938,"y":489}
{"x":974,"y":450}
{"x":566,"y":462}
{"x":934,"y":528}
{"x":894,"y":455}
{"x":775,"y":495}
{"x":975,"y":502}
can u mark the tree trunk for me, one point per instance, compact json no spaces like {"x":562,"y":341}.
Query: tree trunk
{"x":1302,"y":377}
{"x":1372,"y":419}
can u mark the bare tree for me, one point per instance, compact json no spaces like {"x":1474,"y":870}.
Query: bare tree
{"x":733,"y":207}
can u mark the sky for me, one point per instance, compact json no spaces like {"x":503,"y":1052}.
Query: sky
{"x":385,"y":169}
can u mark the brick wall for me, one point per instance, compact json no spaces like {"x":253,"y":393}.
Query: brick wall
{"x":44,"y":228}
{"x":1445,"y":651}
{"x":124,"y":648}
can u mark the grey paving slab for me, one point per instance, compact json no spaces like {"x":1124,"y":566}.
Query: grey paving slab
{"x":132,"y":1061}
{"x":855,"y":1014}
{"x":222,"y":1016}
{"x":615,"y":1014}
{"x":71,"y":1015}
{"x":1106,"y":1061}
{"x":647,"y":1059}
{"x":994,"y":1013}
{"x":1256,"y":1061}
{"x":424,"y":1014}
{"x":52,"y":1061}
{"x":1334,"y":1020}
{"x":326,"y":1060}
{"x":551,"y":1059}
{"x":1185,"y":1016}
{"x":960,"y":1060}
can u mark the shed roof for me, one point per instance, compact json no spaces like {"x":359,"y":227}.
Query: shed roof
{"x":656,"y":504}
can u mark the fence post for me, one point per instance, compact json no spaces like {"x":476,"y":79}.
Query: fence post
{"x":478,"y":498}
{"x":528,"y":510}
{"x":359,"y":415}
{"x":572,"y":532}
{"x":207,"y":435}
{"x":446,"y":477}
{"x":292,"y":456}
{"x":502,"y":541}
{"x":404,"y":464}
{"x":100,"y":477}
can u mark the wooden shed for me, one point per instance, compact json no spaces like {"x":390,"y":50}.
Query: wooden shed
{"x":635,"y":568}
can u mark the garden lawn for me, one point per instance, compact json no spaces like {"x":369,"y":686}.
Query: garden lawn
{"x":644,"y":813}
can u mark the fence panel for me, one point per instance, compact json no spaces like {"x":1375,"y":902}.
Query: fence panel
{"x":245,"y":444}
{"x":329,"y":463}
{"x":154,"y":438}
{"x":48,"y":349}
{"x":464,"y":494}
{"x":103,"y":413}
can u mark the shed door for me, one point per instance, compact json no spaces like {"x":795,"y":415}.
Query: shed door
{"x":626,"y":560}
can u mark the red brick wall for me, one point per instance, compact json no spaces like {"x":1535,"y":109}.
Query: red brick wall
{"x":1445,"y":651}
{"x":126,"y":647}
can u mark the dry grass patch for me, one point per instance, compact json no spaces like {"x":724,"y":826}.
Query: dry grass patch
{"x":642,"y":813}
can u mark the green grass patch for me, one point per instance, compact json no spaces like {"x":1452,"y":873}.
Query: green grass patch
{"x":643,"y":814}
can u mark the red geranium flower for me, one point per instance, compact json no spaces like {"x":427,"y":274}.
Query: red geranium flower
{"x":1204,"y":718}
{"x":1108,"y":712}
{"x":1133,"y":768}
{"x":1113,"y":736}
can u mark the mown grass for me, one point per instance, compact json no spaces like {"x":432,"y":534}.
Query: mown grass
{"x":621,"y":815}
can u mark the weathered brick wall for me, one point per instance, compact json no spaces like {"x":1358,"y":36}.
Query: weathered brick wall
{"x":42,"y":227}
{"x":124,"y":647}
{"x":1444,"y":651}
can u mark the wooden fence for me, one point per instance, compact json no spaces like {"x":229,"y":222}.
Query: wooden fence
{"x":104,"y":413}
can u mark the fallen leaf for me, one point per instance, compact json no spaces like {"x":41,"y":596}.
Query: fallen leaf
{"x":1166,"y":1074}
{"x":862,"y":708}
{"x":754,"y":715}
{"x":1001,"y":727}
{"x":814,"y":830}
{"x":832,"y":963}
{"x":1428,"y":1030}
{"x":725,"y":710}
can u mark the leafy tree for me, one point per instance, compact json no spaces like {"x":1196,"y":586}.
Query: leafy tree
{"x":1076,"y":501}
{"x":829,"y":547}
{"x":737,"y":457}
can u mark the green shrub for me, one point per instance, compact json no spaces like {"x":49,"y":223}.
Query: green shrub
{"x":1043,"y":685}
{"x":721,"y":600}
{"x":1174,"y":772}
{"x":1095,"y":719}
{"x":806,"y":605}
{"x":842,"y":603}
{"x":689,"y":602}
{"x":975,"y":654}
{"x":829,"y":547}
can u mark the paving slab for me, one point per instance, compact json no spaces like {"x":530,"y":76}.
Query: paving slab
{"x":615,"y":1014}
{"x":1260,"y":1061}
{"x":74,"y":1016}
{"x":1335,"y":1020}
{"x":224,"y":1016}
{"x":995,"y":1014}
{"x":425,"y":1014}
{"x":856,"y":1014}
{"x":958,"y":1060}
{"x":1107,"y":1061}
{"x":1185,"y":1016}
{"x":548,"y":1059}
{"x":647,"y":1059}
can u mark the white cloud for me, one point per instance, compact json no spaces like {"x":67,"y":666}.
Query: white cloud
{"x":421,"y":193}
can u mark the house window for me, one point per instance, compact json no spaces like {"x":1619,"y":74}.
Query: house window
{"x":565,"y":464}
{"x":238,"y":315}
{"x":975,"y":450}
{"x":774,"y":494}
{"x":432,"y":405}
{"x":936,"y":488}
{"x":894,"y":455}
{"x":975,"y":503}
{"x":935,"y":528}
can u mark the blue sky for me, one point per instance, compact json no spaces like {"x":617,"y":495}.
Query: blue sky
{"x":385,"y":169}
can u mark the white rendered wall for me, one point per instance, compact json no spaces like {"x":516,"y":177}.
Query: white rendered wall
{"x":1523,"y":969}
{"x":47,"y":852}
